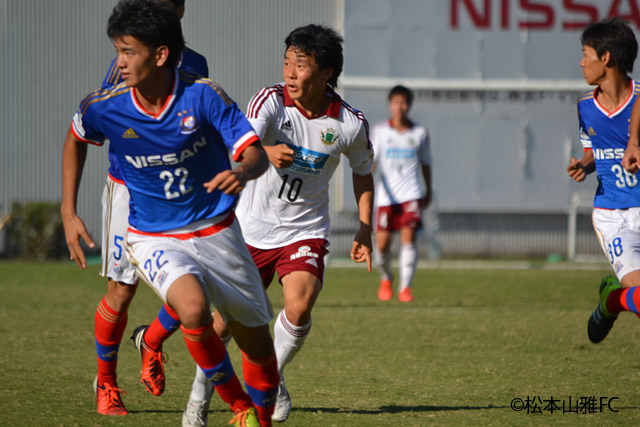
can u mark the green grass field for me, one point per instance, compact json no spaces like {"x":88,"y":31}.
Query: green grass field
{"x":471,"y":343}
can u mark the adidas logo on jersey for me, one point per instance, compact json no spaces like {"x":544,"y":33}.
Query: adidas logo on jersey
{"x":286,"y":125}
{"x":592,"y":132}
{"x":130,"y":133}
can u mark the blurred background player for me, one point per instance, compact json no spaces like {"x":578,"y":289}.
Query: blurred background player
{"x":182,"y":197}
{"x":305,"y":127}
{"x":609,"y":51}
{"x":402,"y":162}
{"x":111,"y":314}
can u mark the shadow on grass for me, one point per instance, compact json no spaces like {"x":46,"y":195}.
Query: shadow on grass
{"x":394,"y":409}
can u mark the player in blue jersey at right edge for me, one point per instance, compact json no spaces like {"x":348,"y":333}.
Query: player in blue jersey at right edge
{"x":170,"y":134}
{"x":609,"y":51}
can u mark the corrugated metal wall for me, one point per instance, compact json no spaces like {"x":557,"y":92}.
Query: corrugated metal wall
{"x":54,"y":52}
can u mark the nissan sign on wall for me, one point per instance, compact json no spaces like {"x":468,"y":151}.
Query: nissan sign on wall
{"x":496,"y":83}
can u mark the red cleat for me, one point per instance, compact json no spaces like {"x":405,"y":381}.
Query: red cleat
{"x":385,"y":293}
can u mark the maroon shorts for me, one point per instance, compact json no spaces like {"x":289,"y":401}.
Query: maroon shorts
{"x":395,"y":217}
{"x":305,"y":255}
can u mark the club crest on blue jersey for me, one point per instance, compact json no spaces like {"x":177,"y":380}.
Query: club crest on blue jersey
{"x":188,"y":124}
{"x":329,"y":136}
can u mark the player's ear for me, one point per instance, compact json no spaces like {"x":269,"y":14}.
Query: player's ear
{"x":606,"y":59}
{"x":326,"y":74}
{"x":162,"y":56}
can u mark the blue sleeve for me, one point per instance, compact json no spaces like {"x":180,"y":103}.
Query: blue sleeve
{"x":86,"y":121}
{"x":225,"y":116}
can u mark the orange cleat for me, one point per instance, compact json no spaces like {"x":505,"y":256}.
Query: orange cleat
{"x":385,"y":293}
{"x":109,"y":401}
{"x":405,"y":295}
{"x":152,"y":373}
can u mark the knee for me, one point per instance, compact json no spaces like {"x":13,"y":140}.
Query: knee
{"x":194,"y":316}
{"x":299,"y":312}
{"x":120,"y":295}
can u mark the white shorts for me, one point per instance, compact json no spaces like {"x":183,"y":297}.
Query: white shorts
{"x":115,"y":222}
{"x":619,"y":234}
{"x":217,"y":255}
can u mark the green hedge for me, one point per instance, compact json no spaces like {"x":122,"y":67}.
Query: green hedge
{"x":35,"y":232}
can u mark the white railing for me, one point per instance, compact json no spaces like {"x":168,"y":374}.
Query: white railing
{"x":579,"y":202}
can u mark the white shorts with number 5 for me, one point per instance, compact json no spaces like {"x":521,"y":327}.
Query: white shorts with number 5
{"x":214,"y":251}
{"x":618,"y":231}
{"x":115,"y":222}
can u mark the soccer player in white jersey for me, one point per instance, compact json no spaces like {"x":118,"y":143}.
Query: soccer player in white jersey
{"x":609,"y":51}
{"x":305,"y":128}
{"x":171,"y":136}
{"x":402,"y":163}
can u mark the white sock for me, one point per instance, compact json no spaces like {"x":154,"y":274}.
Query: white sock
{"x":199,"y":386}
{"x":383,"y":259}
{"x":408,"y":262}
{"x":288,"y":339}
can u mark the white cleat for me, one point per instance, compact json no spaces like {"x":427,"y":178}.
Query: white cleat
{"x":283,"y":403}
{"x":197,"y":411}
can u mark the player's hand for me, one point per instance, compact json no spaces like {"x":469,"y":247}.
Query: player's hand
{"x":230,"y":182}
{"x":631,"y":159}
{"x":361,"y":249}
{"x":280,"y":155}
{"x":576,"y":170}
{"x":74,"y":230}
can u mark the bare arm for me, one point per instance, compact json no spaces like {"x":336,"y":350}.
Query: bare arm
{"x":363,"y":191}
{"x":579,"y":169}
{"x":631,"y":159}
{"x":253,"y":163}
{"x":74,"y":155}
{"x":426,"y":174}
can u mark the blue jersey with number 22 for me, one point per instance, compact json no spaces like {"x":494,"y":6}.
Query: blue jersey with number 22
{"x":165,"y":158}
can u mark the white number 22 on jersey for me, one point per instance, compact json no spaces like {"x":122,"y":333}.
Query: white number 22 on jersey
{"x":171,"y":193}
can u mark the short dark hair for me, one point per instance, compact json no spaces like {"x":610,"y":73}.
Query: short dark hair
{"x":152,"y":23}
{"x":322,"y":43}
{"x":613,"y":36}
{"x":402,"y":90}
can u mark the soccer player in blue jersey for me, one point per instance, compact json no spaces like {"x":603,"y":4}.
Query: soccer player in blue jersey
{"x":112,"y":312}
{"x":170,"y":135}
{"x":609,"y":51}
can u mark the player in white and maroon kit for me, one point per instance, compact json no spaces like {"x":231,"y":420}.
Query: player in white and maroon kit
{"x":305,"y":128}
{"x":402,"y":162}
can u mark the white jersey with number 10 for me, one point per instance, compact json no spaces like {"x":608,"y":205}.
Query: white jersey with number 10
{"x":292,"y":204}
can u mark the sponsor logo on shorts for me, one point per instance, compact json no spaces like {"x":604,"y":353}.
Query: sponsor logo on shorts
{"x":617,"y":267}
{"x":304,"y":251}
{"x":312,"y":261}
{"x":162,"y":276}
{"x":117,"y":268}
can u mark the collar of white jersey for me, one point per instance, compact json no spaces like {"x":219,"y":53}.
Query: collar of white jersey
{"x":333,"y":110}
{"x":167,"y":103}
